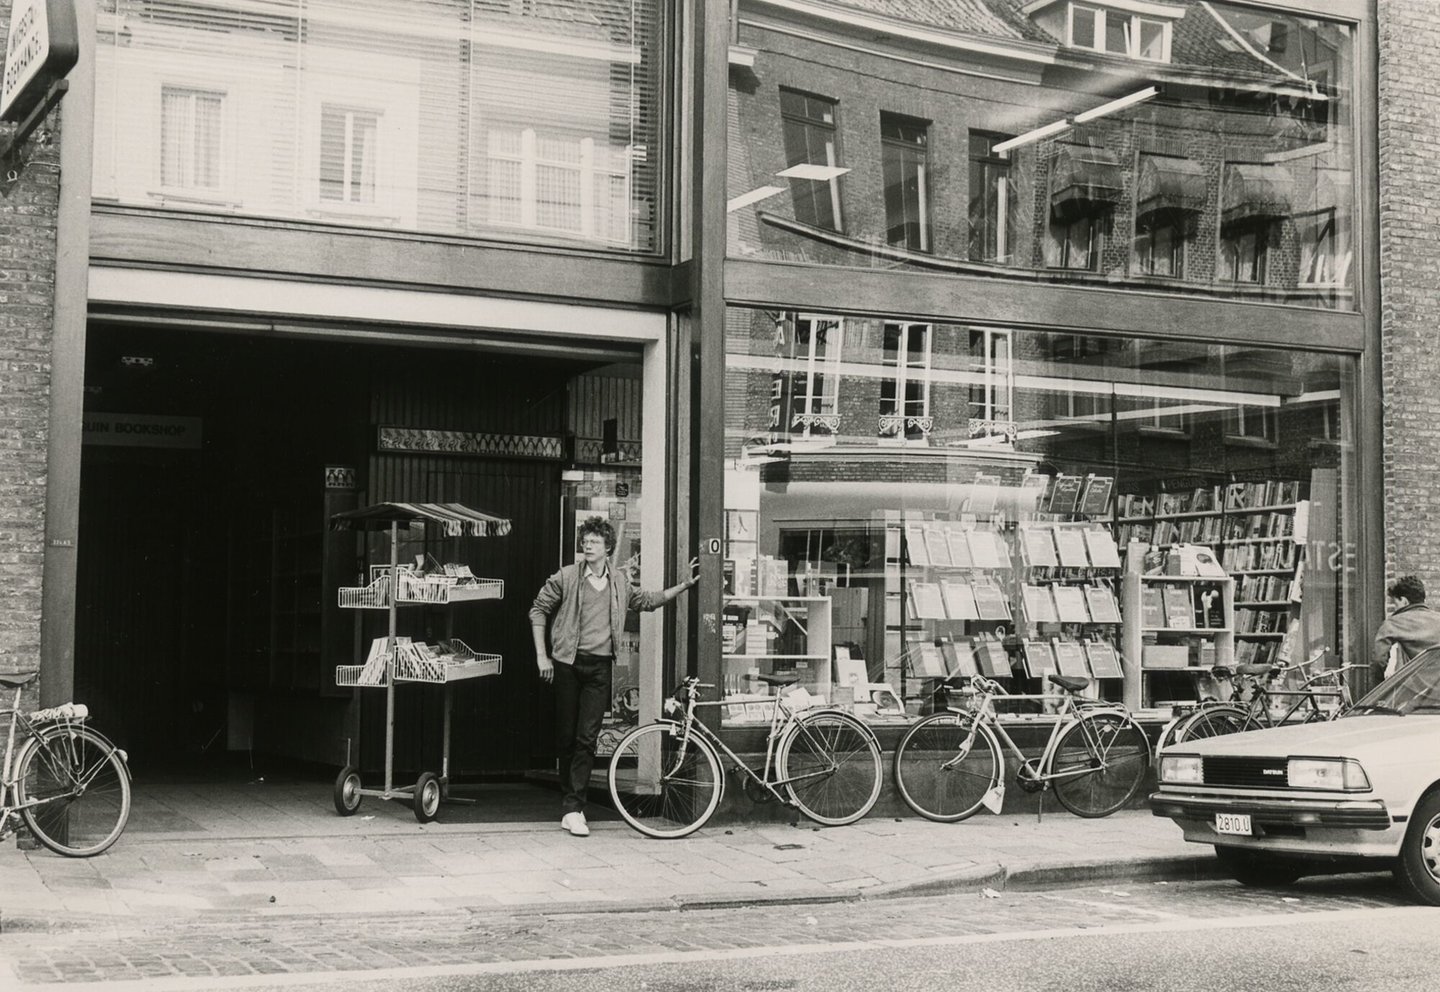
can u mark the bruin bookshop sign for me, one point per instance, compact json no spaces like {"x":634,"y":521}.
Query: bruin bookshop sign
{"x":136,"y":430}
{"x":40,"y":48}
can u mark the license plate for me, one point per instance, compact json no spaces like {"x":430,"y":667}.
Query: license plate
{"x":1233,"y":823}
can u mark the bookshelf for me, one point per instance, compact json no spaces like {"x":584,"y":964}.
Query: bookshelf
{"x":1175,"y":626}
{"x":773,"y":635}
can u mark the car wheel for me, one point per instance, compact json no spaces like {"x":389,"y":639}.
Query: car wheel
{"x":1258,"y":869}
{"x":1418,"y":870}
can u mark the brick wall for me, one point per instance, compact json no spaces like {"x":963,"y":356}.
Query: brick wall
{"x":1409,"y":140}
{"x":27,"y":294}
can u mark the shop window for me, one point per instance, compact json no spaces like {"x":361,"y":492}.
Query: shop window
{"x":191,"y":140}
{"x":559,"y":183}
{"x":349,"y":154}
{"x":992,"y":200}
{"x":905,"y":381}
{"x":815,"y":388}
{"x":905,"y":161}
{"x":810,"y":140}
{"x":1119,"y":33}
{"x":992,"y":374}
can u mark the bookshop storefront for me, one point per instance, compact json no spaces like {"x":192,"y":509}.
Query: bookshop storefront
{"x":1014,"y":328}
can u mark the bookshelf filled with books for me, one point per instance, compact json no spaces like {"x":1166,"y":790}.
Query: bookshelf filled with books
{"x":1026,"y":589}
{"x":1257,"y":529}
{"x":1179,"y":622}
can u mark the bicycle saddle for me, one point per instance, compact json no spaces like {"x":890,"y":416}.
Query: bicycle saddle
{"x":1254,"y":669}
{"x":16,"y":681}
{"x":776,"y":680}
{"x":1070,"y":683}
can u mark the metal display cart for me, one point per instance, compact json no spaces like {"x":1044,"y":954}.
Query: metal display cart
{"x":393,"y":659}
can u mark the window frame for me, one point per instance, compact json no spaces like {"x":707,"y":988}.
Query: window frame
{"x":1142,"y":250}
{"x":1233,"y":234}
{"x":1060,"y":233}
{"x":1132,"y":26}
{"x":996,"y":375}
{"x":991,"y":167}
{"x":350,"y":113}
{"x":224,"y":191}
{"x":805,"y":189}
{"x":589,"y":173}
{"x":908,"y":152}
{"x":897,"y":420}
{"x":807,"y":406}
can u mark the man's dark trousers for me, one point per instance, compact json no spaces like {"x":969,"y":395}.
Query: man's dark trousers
{"x":582,"y":695}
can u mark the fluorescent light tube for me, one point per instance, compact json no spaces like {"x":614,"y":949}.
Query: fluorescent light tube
{"x":1031,"y":136}
{"x":1139,"y":96}
{"x":754,"y":196}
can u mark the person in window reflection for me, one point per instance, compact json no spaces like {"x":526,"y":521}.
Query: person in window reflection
{"x":584,"y":605}
{"x":1411,"y":627}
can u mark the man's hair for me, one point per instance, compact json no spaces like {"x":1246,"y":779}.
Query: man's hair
{"x":1407,"y":587}
{"x":599,"y":525}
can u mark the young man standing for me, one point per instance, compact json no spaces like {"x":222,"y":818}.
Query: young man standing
{"x":1412,"y":626}
{"x":584,"y":606}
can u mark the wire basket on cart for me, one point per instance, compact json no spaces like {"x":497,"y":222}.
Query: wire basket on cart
{"x":439,"y":588}
{"x":375,"y":596}
{"x":449,"y":661}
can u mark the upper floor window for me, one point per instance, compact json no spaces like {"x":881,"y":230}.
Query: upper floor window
{"x":556,"y":182}
{"x":1245,"y":251}
{"x":992,"y":200}
{"x":815,"y":389}
{"x":905,"y":380}
{"x":812,"y":158}
{"x":992,"y":374}
{"x":191,"y":140}
{"x":349,"y":154}
{"x":1160,"y":244}
{"x":903,"y":148}
{"x":1119,"y":33}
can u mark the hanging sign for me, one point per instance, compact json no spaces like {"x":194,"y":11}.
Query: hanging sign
{"x":41,"y":47}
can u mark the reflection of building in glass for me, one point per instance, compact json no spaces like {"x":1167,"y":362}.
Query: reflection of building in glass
{"x":1198,"y":147}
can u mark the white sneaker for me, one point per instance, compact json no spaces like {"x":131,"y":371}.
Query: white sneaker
{"x":575,"y":823}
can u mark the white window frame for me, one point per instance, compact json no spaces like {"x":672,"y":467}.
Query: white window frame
{"x":1132,"y":26}
{"x":350,"y":112}
{"x":995,"y":376}
{"x":810,"y":364}
{"x":224,"y":192}
{"x":530,"y":163}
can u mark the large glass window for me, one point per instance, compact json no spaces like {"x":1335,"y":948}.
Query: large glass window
{"x":534,"y":122}
{"x":1062,"y":478}
{"x":1230,"y":177}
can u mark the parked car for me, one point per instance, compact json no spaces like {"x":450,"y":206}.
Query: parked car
{"x":1356,"y":793}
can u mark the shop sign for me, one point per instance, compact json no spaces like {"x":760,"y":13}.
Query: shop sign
{"x":138,"y":430}
{"x":339,"y":477}
{"x":428,"y":441}
{"x":41,"y":47}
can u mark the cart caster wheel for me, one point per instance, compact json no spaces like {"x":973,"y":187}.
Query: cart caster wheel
{"x":347,"y":791}
{"x":427,"y":797}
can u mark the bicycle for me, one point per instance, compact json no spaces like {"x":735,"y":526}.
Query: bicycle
{"x":1321,"y":696}
{"x":68,"y":783}
{"x":1182,"y":714}
{"x":666,"y":778}
{"x":950,"y":764}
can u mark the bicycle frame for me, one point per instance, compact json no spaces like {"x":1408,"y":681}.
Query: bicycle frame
{"x":1033,"y":769}
{"x":10,"y":770}
{"x":783,"y":717}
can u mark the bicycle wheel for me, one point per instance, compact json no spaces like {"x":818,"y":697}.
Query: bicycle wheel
{"x":80,"y":787}
{"x":1213,"y":722}
{"x":1110,"y":753}
{"x":830,"y":763}
{"x":945,"y":765}
{"x":661,"y":787}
